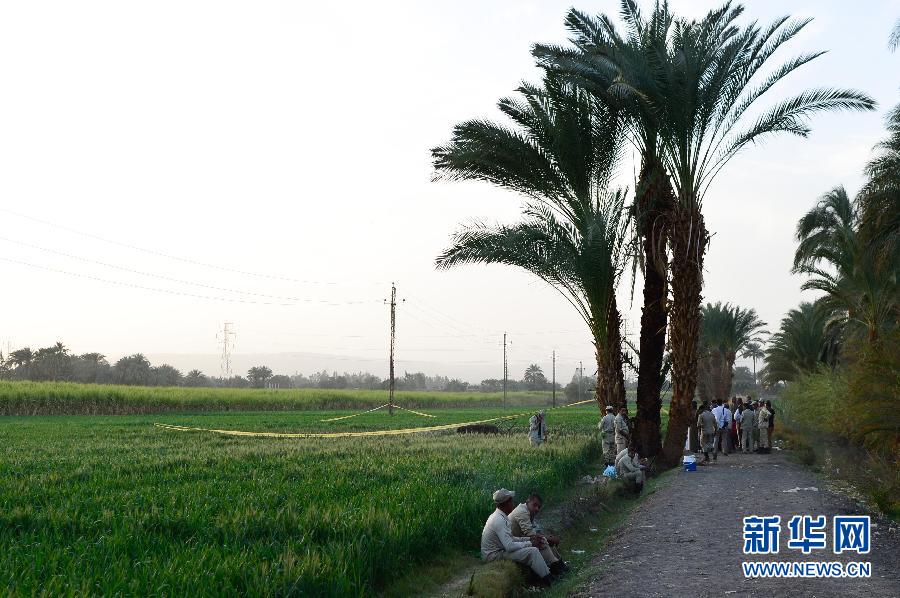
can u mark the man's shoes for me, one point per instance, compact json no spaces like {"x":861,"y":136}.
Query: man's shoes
{"x":545,"y":582}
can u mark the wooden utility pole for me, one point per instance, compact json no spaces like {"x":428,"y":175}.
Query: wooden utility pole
{"x":393,"y":331}
{"x":580,"y":378}
{"x":504,"y":369}
{"x":553,"y":384}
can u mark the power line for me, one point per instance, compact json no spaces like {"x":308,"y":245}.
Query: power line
{"x":146,"y":288}
{"x":169,"y":256}
{"x":168,"y":278}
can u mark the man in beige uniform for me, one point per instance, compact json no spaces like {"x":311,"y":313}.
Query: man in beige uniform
{"x":623,"y":433}
{"x":762,"y":424}
{"x":628,"y":468}
{"x":608,"y":433}
{"x":522,"y":523}
{"x":706,"y":423}
{"x":748,"y":424}
{"x":497,"y":542}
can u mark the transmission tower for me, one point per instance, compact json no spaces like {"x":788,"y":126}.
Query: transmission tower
{"x":226,"y":339}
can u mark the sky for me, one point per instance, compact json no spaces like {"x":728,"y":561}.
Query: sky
{"x":166,"y":167}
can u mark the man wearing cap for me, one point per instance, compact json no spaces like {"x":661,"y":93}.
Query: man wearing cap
{"x":537,"y":429}
{"x":523,"y":523}
{"x":623,"y":433}
{"x":497,"y":541}
{"x":607,"y":432}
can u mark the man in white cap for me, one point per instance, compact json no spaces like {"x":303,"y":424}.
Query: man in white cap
{"x":497,"y":541}
{"x":607,"y":427}
{"x":623,"y":433}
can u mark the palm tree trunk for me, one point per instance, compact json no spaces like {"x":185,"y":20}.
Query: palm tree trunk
{"x":727,"y":376}
{"x":689,"y":239}
{"x":610,"y":377}
{"x":706,"y":389}
{"x":655,"y":199}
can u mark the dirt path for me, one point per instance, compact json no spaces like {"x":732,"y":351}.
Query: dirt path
{"x":687,"y":539}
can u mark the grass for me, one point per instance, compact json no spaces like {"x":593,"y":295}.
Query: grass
{"x":67,"y":398}
{"x":114,"y":505}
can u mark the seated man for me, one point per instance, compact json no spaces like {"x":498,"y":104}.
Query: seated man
{"x":522,"y":523}
{"x":630,"y":469}
{"x":497,"y":542}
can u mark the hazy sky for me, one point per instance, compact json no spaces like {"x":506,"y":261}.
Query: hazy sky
{"x":280,"y":151}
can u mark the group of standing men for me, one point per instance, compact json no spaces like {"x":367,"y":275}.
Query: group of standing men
{"x":731,"y":425}
{"x":618,"y":449}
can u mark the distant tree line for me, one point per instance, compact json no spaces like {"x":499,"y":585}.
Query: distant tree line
{"x":58,"y":363}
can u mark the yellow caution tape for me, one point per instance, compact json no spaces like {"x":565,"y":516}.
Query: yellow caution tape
{"x":352,"y":434}
{"x":336,"y":434}
{"x":411,"y":411}
{"x":334,"y":419}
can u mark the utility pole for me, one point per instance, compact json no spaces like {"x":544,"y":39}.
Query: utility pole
{"x":505,"y":369}
{"x":553,"y":386}
{"x":225,"y":338}
{"x":580,"y":378}
{"x":393,"y":331}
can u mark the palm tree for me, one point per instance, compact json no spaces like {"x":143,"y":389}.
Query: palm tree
{"x":575,"y":233}
{"x":599,"y":54}
{"x":894,"y":42}
{"x":803,"y":342}
{"x":701,"y":84}
{"x":534,"y":377}
{"x":880,"y":199}
{"x":842,"y":265}
{"x":753,"y":351}
{"x":725,"y":330}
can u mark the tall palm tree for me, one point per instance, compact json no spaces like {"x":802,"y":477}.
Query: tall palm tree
{"x":754,"y":351}
{"x":725,"y":330}
{"x":598,"y":55}
{"x":880,"y":199}
{"x":842,"y":265}
{"x":701,"y":78}
{"x":803,"y":342}
{"x":575,"y":235}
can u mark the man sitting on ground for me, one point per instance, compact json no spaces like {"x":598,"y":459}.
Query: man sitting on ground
{"x":630,"y":469}
{"x":522,"y":523}
{"x":497,"y":542}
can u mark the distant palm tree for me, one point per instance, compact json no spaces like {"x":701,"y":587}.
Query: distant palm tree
{"x":894,"y":42}
{"x":534,"y":377}
{"x":754,"y":351}
{"x":725,"y":330}
{"x":560,"y":156}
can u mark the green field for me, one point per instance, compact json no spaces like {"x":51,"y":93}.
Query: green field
{"x":114,"y":505}
{"x":66,"y":398}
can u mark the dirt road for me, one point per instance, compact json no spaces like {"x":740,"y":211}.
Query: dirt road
{"x":687,"y":538}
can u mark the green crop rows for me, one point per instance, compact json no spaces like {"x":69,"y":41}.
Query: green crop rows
{"x":59,"y":398}
{"x":114,"y":505}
